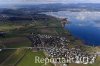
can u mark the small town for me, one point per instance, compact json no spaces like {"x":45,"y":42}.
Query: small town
{"x":55,"y":47}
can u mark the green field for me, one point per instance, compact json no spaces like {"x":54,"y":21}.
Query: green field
{"x":17,"y":42}
{"x":21,"y":57}
{"x":29,"y":59}
{"x":7,"y":27}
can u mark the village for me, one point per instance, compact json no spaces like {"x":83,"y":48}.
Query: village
{"x":56,"y":47}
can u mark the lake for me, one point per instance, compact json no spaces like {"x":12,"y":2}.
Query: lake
{"x":84,"y":25}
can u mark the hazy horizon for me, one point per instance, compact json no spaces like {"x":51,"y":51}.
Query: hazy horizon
{"x":5,"y":2}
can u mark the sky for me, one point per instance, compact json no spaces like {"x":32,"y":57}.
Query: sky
{"x":47,"y":1}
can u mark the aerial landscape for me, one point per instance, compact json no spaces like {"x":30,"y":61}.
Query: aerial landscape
{"x":49,"y":33}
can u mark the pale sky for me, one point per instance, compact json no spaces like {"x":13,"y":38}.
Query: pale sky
{"x":48,"y":1}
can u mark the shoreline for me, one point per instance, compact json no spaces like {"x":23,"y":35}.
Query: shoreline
{"x":65,"y":30}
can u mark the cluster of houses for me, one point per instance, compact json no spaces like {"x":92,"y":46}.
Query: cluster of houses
{"x":47,"y":40}
{"x":72,"y":55}
{"x":56,"y":47}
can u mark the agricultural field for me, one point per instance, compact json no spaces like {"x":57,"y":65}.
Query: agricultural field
{"x":16,"y":42}
{"x":28,"y":59}
{"x":5,"y":54}
{"x":14,"y":57}
{"x":7,"y":27}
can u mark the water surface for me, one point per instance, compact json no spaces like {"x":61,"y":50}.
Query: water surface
{"x":84,"y":25}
